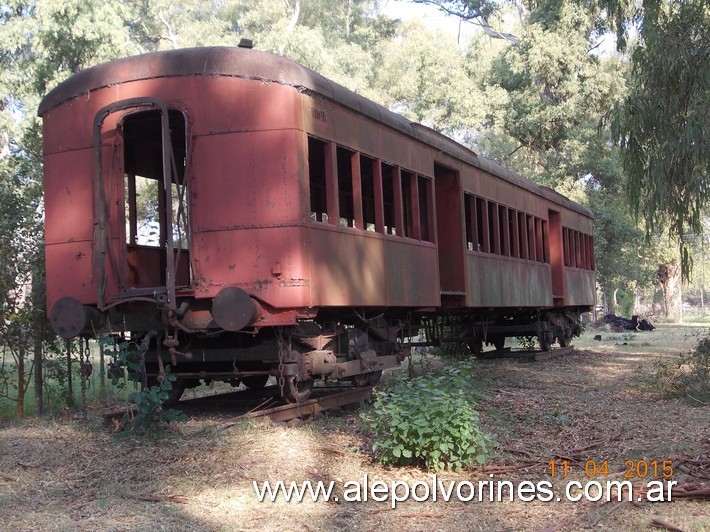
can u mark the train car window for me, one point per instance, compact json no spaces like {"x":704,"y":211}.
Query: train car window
{"x":410,"y":205}
{"x":532,"y":247}
{"x":493,"y":233}
{"x":545,"y":242}
{"x":482,"y":226}
{"x":142,"y":211}
{"x":426,"y":210}
{"x":573,"y":249}
{"x":503,"y":230}
{"x":388,"y":187}
{"x":345,"y":187}
{"x":513,"y":232}
{"x":146,"y":219}
{"x":468,"y":216}
{"x":578,"y":249}
{"x":522,"y":236}
{"x":583,"y":249}
{"x":316,"y":179}
{"x":367,"y":185}
{"x":540,"y":248}
{"x":591,"y":252}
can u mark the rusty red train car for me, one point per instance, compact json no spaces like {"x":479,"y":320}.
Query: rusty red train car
{"x":242,"y":216}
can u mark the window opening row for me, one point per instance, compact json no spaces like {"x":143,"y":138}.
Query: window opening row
{"x":497,"y":229}
{"x":350,"y":189}
{"x":578,"y":249}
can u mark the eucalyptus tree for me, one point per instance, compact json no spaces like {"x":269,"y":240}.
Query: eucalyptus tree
{"x":662,"y":125}
{"x":425,"y":76}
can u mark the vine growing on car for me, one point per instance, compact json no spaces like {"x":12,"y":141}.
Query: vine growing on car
{"x":150,"y":414}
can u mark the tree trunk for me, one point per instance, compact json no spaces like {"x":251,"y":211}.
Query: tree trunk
{"x":669,"y":277}
{"x":614,"y":303}
{"x":70,"y":389}
{"x":21,"y":354}
{"x":38,"y":304}
{"x":39,"y":379}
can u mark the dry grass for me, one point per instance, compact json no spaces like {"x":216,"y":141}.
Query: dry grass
{"x":598,"y":403}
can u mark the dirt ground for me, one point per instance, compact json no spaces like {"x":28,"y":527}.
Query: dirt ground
{"x":598,"y":404}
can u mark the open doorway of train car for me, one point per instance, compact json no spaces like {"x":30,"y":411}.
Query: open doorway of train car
{"x":452,"y":262}
{"x":150,"y":216}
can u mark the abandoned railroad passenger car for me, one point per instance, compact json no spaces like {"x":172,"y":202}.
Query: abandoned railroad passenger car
{"x":240,"y":216}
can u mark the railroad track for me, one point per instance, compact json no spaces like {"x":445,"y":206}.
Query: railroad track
{"x":261,"y":404}
{"x":527,"y":355}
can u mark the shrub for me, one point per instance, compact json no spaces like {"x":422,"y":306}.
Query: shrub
{"x":151,"y":415}
{"x":688,"y":377}
{"x":431,"y":421}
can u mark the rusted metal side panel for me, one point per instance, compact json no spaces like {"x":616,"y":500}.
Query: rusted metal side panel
{"x":69,"y":272}
{"x":68,"y":196}
{"x":576,"y":221}
{"x":492,"y":188}
{"x":495,"y":281}
{"x":247,"y":179}
{"x":68,"y":127}
{"x":233,"y":104}
{"x":330,"y":122}
{"x":579,"y":286}
{"x":348,"y":267}
{"x":327,"y":121}
{"x":268,"y":263}
{"x":412,"y":274}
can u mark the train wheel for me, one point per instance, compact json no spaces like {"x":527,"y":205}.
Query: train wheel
{"x":476,"y":346}
{"x":257,"y":382}
{"x":499,"y":342}
{"x":545,"y":338}
{"x":296,"y":391}
{"x":367,"y":379}
{"x":565,"y":338}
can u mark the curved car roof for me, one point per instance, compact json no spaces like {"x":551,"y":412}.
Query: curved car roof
{"x":254,"y":64}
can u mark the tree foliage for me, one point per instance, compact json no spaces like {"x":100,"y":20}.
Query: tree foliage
{"x":425,"y":77}
{"x":554,"y":93}
{"x":662,"y":125}
{"x":465,"y":9}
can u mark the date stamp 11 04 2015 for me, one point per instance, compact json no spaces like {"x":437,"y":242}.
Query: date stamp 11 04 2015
{"x":633,"y":469}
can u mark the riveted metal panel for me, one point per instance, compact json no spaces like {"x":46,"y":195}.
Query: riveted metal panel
{"x":348,"y":267}
{"x":579,"y":287}
{"x":69,"y":272}
{"x":412,"y":274}
{"x":269,"y":263}
{"x":68,"y":196}
{"x":247,"y":179}
{"x":495,"y":281}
